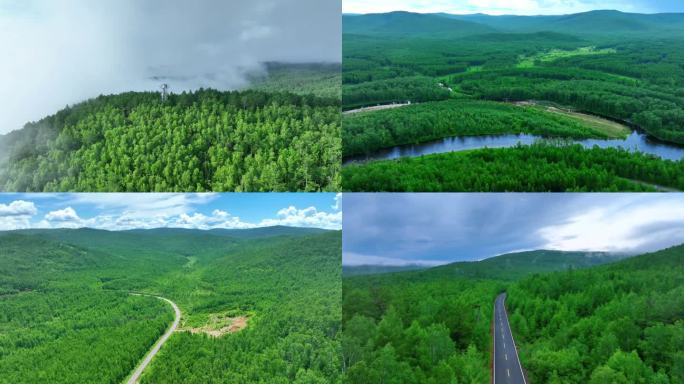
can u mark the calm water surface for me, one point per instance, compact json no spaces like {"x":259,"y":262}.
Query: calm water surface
{"x":635,"y":142}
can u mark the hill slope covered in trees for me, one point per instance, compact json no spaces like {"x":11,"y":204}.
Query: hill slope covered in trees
{"x":66,"y":314}
{"x":432,"y":326}
{"x":201,"y":141}
{"x":618,"y":66}
{"x":620,"y":323}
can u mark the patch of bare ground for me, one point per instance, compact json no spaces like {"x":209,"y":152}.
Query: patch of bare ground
{"x":608,"y":127}
{"x":219,"y":325}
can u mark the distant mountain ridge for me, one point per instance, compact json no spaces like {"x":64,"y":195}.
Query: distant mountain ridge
{"x":276,"y":230}
{"x":358,"y":270}
{"x":434,"y":24}
{"x":414,"y":24}
{"x":512,"y":266}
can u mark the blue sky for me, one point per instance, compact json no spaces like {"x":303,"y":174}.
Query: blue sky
{"x":511,"y":7}
{"x":113,"y":211}
{"x":432,"y":229}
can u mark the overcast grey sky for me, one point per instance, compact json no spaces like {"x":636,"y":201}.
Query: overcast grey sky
{"x":512,"y":7}
{"x":59,"y":52}
{"x":431,"y":229}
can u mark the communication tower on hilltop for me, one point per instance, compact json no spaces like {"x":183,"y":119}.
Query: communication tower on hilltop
{"x":164,"y":93}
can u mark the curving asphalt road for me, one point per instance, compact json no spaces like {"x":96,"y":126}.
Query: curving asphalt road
{"x":507,"y":368}
{"x":141,"y":367}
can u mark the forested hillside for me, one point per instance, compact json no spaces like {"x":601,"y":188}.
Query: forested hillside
{"x":621,"y":323}
{"x":320,"y":79}
{"x":591,"y":22}
{"x":433,"y":326}
{"x":622,"y":67}
{"x":542,"y":167}
{"x":368,"y":132}
{"x":421,"y":330}
{"x":66,"y":314}
{"x":201,"y":141}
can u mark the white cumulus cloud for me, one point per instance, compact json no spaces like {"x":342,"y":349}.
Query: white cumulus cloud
{"x":628,"y":225}
{"x":17,"y":215}
{"x":307,"y":217}
{"x":115,"y":212}
{"x":63,"y":218}
{"x":18,"y":208}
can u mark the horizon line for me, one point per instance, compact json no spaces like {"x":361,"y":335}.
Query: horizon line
{"x":155,"y":228}
{"x":509,"y":14}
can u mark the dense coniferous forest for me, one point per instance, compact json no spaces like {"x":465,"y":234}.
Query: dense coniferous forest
{"x":542,"y":167}
{"x":200,"y":141}
{"x":371,"y":131}
{"x":621,"y":323}
{"x":320,"y":79}
{"x":67,"y":315}
{"x":623,"y":67}
{"x":433,"y":326}
{"x":402,"y":330}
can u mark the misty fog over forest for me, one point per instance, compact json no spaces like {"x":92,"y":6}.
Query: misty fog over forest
{"x":63,"y":52}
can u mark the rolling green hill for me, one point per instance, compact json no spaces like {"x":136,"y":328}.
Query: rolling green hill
{"x":577,"y":317}
{"x":619,"y":67}
{"x":514,"y":266}
{"x":359,"y":270}
{"x":398,"y":24}
{"x":432,"y":325}
{"x":205,"y":140}
{"x":510,"y":266}
{"x":618,"y":323}
{"x":66,"y":314}
{"x":320,"y":79}
{"x":592,"y":22}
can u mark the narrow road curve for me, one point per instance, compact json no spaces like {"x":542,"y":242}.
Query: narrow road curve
{"x":507,"y":368}
{"x":376,"y":108}
{"x":141,"y":367}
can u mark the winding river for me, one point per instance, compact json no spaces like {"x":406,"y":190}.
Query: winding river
{"x":636,"y":141}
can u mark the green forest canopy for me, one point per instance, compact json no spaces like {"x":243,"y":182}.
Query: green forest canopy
{"x":432,"y":326}
{"x":66,"y":315}
{"x":367,"y":132}
{"x":637,"y":76}
{"x":586,"y":323}
{"x":199,"y":141}
{"x":541,"y":167}
{"x":620,"y":323}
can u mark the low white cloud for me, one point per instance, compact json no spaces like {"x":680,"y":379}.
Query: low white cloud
{"x":143,"y":205}
{"x":62,"y":218}
{"x":338,"y":202}
{"x":18,"y":208}
{"x":307,"y":217}
{"x":217,"y":219}
{"x":254,"y":32}
{"x":66,"y":214}
{"x":63,"y":52}
{"x":145,"y":211}
{"x":356,"y":259}
{"x":17,"y":215}
{"x":628,"y":225}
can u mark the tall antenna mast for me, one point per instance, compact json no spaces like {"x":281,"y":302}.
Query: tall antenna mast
{"x":164,"y":94}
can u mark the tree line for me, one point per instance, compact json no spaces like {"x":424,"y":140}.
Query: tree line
{"x":404,"y":329}
{"x":543,"y":167}
{"x":365,"y":133}
{"x":620,"y":323}
{"x":200,"y":141}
